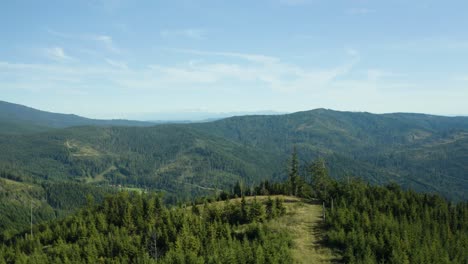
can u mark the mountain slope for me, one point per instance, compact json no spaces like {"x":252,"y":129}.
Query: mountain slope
{"x":15,"y":118}
{"x":423,"y":152}
{"x":174,"y":158}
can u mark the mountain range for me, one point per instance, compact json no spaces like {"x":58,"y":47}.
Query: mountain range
{"x":418,"y":151}
{"x":15,"y":118}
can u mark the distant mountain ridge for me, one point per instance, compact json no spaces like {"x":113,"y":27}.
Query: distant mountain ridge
{"x":423,"y":152}
{"x":16,"y":115}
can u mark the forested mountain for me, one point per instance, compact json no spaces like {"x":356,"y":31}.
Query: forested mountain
{"x":134,"y":228}
{"x":422,"y":152}
{"x":362,"y":223}
{"x":15,"y":118}
{"x":175,"y":158}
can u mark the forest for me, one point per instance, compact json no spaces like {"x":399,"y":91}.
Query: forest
{"x":364,"y":223}
{"x":237,"y":132}
{"x":138,"y":228}
{"x":423,"y":152}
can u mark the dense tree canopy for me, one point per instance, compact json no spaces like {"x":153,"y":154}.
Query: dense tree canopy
{"x":138,"y":228}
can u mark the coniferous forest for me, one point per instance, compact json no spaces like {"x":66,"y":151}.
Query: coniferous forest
{"x":373,"y":224}
{"x":379,"y":189}
{"x":363,"y":223}
{"x":138,"y":228}
{"x":233,"y":132}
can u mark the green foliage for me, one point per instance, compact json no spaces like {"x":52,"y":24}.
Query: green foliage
{"x":388,"y":225}
{"x":322,"y":184}
{"x":115,"y":232}
{"x":49,"y":201}
{"x":293,"y":176}
{"x":174,"y":158}
{"x":423,"y":152}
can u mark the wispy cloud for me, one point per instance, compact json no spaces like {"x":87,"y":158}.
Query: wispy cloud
{"x":107,"y":42}
{"x":104,"y":41}
{"x":57,"y":54}
{"x":59,"y":34}
{"x":259,"y":58}
{"x":342,"y":85}
{"x":193,"y":33}
{"x":359,"y":11}
{"x":252,"y":70}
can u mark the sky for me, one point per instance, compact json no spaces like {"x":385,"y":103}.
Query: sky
{"x":135,"y":59}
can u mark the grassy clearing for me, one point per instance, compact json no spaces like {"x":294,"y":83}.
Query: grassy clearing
{"x":80,"y":150}
{"x":303,"y":221}
{"x":132,"y":189}
{"x":100,"y":177}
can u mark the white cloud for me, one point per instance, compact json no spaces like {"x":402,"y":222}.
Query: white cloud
{"x":57,"y":54}
{"x":252,"y":70}
{"x":193,"y":33}
{"x":104,"y":41}
{"x":256,"y":68}
{"x":282,"y":85}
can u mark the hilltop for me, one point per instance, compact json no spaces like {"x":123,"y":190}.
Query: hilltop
{"x":422,"y":152}
{"x":17,"y":119}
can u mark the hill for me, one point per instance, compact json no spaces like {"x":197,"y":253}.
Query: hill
{"x":137,"y":228}
{"x":423,"y":152}
{"x":304,"y":222}
{"x":15,"y":118}
{"x":362,"y":224}
{"x":174,"y":158}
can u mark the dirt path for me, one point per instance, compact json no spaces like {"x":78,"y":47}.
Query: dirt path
{"x":303,"y":222}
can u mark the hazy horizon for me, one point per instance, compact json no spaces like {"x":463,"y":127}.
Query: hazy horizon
{"x":198,"y":115}
{"x":121,"y":58}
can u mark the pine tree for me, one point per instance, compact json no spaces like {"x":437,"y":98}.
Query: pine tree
{"x":321,"y":181}
{"x":294,"y":173}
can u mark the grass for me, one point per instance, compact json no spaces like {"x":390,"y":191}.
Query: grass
{"x":303,"y":221}
{"x":100,"y":177}
{"x":81,"y":150}
{"x":133,"y":189}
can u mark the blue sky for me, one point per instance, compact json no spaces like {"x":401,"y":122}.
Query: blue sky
{"x":119,"y":58}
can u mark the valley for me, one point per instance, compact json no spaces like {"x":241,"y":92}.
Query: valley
{"x":61,"y":169}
